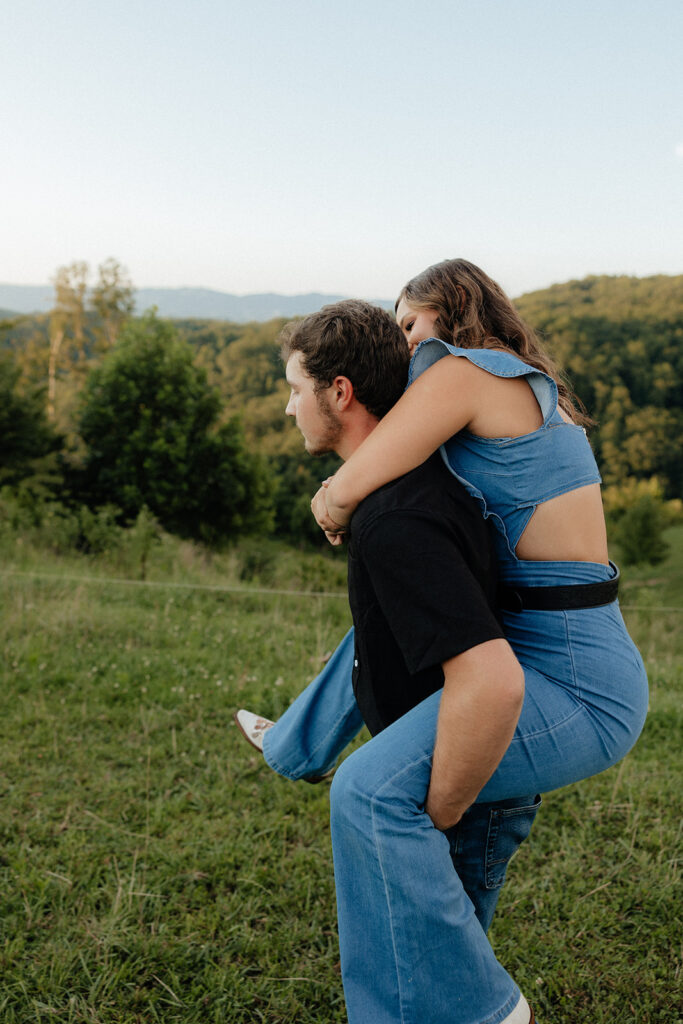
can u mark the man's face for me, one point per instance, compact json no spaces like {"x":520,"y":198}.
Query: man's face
{"x":315,"y":417}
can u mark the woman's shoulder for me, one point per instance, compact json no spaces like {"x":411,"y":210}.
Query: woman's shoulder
{"x":498,"y":361}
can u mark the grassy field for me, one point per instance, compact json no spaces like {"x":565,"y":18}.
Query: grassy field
{"x":153,"y":869}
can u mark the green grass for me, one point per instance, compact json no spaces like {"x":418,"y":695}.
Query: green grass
{"x":153,"y":869}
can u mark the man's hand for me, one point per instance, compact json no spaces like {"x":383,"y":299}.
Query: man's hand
{"x":442,"y":816}
{"x":333,"y":531}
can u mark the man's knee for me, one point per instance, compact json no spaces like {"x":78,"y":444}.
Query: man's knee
{"x":348,"y":795}
{"x":351,"y":810}
{"x":363,"y":787}
{"x":371,"y":786}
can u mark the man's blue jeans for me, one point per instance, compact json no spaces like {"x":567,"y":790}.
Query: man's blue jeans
{"x":412,"y":947}
{"x":307,"y":740}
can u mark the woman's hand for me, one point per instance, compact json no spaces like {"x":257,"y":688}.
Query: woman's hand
{"x":333,"y":530}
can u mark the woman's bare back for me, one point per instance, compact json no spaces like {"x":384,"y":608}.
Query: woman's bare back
{"x":567,"y":528}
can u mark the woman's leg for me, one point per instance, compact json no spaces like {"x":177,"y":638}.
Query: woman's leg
{"x":307,"y":740}
{"x":584,"y":717}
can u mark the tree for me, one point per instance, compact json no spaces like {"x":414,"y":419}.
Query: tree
{"x":652,"y":446}
{"x":112,"y":299}
{"x":620,"y":341}
{"x":150,"y":424}
{"x":67,"y":321}
{"x":639,"y":532}
{"x":27,"y":438}
{"x":297,"y":479}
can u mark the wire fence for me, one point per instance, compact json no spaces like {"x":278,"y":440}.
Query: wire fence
{"x":242,"y":591}
{"x":172,"y":584}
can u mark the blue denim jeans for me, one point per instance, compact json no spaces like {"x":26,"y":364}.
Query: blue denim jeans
{"x":412,"y":947}
{"x":482,"y":845}
{"x":307,"y":740}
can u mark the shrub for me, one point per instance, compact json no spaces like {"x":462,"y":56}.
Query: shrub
{"x":638,"y":532}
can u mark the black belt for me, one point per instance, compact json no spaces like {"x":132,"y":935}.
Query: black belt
{"x":558,"y":599}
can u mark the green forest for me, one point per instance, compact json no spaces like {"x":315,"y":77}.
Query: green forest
{"x":108,"y":419}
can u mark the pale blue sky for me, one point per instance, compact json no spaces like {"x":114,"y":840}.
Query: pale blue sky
{"x":258,"y":145}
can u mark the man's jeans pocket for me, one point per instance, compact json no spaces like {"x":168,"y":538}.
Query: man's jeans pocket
{"x":481,"y":845}
{"x":508,"y":828}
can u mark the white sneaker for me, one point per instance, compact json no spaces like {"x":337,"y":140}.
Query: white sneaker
{"x":252,"y":727}
{"x":522,"y":1014}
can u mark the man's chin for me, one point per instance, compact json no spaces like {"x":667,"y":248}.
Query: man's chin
{"x":317,"y":452}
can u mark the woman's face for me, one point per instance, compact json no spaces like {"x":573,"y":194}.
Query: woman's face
{"x":416,"y":324}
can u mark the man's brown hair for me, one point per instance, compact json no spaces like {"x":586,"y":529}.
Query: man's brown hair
{"x":352,"y":339}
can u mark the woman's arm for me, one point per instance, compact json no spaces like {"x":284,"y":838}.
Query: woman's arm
{"x":442,"y":401}
{"x":481,"y":702}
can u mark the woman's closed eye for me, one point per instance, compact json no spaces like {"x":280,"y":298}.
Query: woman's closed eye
{"x":406,"y":329}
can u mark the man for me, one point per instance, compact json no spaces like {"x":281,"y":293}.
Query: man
{"x":434,"y":680}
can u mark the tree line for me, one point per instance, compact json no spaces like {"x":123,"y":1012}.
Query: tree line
{"x":184,"y":419}
{"x":619,"y":340}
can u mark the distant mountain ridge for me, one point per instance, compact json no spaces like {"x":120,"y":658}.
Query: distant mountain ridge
{"x":179,"y":303}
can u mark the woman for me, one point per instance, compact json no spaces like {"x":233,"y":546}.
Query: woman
{"x":508,"y":429}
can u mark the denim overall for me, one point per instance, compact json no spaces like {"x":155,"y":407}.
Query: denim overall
{"x":413,"y":949}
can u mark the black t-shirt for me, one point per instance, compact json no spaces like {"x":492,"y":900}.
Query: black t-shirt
{"x":422,"y":584}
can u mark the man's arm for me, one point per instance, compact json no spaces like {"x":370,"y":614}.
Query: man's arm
{"x":481,"y":703}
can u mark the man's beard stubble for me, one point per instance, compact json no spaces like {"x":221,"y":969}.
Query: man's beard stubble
{"x":331,"y":431}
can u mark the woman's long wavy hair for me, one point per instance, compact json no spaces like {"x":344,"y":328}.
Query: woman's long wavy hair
{"x":473,"y":311}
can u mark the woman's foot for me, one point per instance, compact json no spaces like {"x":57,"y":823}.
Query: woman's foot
{"x":252,"y":727}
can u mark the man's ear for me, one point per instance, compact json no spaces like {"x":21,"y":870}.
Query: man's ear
{"x":343,"y":393}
